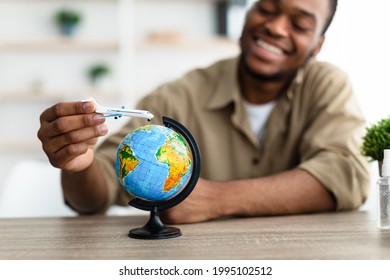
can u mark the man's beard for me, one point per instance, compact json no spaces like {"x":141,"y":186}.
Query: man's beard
{"x":280,"y":76}
{"x":259,"y":76}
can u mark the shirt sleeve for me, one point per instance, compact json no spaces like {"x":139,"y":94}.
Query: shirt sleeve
{"x":330,"y":148}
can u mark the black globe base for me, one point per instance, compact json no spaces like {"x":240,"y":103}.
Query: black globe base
{"x":154,"y":229}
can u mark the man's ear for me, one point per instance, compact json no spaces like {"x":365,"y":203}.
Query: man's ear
{"x":319,"y":46}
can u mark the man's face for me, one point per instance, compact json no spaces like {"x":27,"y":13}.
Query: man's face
{"x":279,"y":35}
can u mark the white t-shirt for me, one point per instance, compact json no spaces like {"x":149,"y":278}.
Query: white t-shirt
{"x":258,"y":116}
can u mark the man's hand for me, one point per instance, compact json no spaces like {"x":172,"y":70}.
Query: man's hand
{"x":201,"y":205}
{"x":69,"y":132}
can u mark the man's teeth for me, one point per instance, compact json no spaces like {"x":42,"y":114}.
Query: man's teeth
{"x":269,"y":47}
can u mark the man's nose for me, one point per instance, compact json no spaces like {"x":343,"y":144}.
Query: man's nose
{"x":278,"y":26}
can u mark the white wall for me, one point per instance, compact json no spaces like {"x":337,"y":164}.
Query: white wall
{"x":359,"y":42}
{"x":193,"y":19}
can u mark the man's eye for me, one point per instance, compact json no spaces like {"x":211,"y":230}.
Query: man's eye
{"x":266,"y":10}
{"x":299,"y":27}
{"x":302,"y":26}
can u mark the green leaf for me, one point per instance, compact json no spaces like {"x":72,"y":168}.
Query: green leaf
{"x":376,"y":139}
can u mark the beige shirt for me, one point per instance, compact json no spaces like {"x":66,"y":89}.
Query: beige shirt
{"x":315,"y":126}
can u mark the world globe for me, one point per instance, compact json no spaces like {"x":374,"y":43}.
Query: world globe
{"x":153,"y":163}
{"x":159,"y":166}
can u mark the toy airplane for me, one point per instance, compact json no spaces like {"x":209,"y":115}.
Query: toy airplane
{"x":120,"y":112}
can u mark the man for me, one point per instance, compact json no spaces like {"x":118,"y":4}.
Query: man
{"x":278,"y":131}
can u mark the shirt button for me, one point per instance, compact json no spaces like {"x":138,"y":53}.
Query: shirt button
{"x":255,"y":161}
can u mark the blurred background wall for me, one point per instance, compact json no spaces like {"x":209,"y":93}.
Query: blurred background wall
{"x":140,"y":44}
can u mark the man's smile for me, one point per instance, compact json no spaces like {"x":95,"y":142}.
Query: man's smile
{"x":269,"y":47}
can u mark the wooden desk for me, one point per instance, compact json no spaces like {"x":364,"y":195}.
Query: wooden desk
{"x":349,"y":235}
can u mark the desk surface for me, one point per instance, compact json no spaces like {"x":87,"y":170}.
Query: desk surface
{"x":349,"y":235}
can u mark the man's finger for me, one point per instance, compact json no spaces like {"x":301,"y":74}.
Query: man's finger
{"x":88,"y":135}
{"x":67,"y":109}
{"x":64,"y":125}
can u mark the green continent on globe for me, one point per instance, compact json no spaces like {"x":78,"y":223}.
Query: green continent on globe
{"x":127,"y":160}
{"x":178,"y":160}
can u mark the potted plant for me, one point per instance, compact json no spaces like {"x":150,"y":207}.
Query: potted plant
{"x":376,"y":139}
{"x":98,"y":74}
{"x":67,"y":21}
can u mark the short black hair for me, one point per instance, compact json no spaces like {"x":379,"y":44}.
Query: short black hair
{"x":332,"y":11}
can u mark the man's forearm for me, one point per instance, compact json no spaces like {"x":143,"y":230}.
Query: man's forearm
{"x":85,"y":191}
{"x":290,"y":192}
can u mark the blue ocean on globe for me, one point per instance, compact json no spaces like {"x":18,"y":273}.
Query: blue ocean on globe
{"x":153,"y":163}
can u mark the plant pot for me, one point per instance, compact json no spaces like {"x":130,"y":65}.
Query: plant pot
{"x":67,"y":29}
{"x":102,"y":82}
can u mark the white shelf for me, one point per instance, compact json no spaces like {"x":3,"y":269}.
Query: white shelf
{"x":55,"y":96}
{"x":188,"y":44}
{"x":61,"y":44}
{"x":21,"y":145}
{"x":30,"y":97}
{"x":29,"y":1}
{"x":96,"y":45}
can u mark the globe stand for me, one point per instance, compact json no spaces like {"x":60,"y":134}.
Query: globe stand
{"x":154,"y":228}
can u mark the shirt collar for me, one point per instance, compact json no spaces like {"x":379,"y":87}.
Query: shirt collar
{"x":298,"y":78}
{"x":229,"y":91}
{"x":227,"y":87}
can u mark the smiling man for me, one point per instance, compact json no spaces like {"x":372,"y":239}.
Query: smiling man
{"x":279,"y":132}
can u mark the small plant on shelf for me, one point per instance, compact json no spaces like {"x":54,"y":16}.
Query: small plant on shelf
{"x":99,"y":75}
{"x":98,"y":71}
{"x":68,"y":20}
{"x":376,"y":139}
